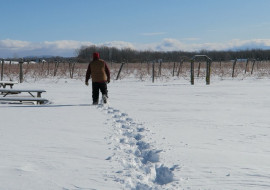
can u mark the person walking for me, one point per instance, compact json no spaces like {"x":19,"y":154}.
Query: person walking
{"x":100,"y":73}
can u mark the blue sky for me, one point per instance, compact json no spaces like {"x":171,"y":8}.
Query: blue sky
{"x":58,"y":27}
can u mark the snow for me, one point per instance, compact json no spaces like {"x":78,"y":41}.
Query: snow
{"x":163,"y":135}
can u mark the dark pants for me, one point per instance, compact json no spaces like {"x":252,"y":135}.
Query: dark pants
{"x":96,"y":86}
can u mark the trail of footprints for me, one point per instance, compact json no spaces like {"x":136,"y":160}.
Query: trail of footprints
{"x":140,"y":160}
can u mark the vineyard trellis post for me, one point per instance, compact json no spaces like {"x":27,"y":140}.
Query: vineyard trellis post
{"x":208,"y":68}
{"x":56,"y":65}
{"x":118,"y":75}
{"x":153,"y":72}
{"x":208,"y":71}
{"x":246,"y":66}
{"x":253,"y":64}
{"x":48,"y":68}
{"x":173,"y":69}
{"x":234,"y":64}
{"x":192,"y":72}
{"x":21,"y":70}
{"x":2,"y":69}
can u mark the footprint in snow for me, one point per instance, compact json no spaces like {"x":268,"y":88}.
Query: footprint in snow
{"x":150,"y":156}
{"x":141,"y":129}
{"x":129,"y":135}
{"x":142,"y":145}
{"x":138,"y":137}
{"x":124,"y":126}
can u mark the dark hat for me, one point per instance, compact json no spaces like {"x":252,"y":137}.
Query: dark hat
{"x":95,"y":55}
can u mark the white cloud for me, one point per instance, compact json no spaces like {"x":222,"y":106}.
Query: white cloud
{"x":14,"y":44}
{"x":176,"y":45}
{"x":118,"y":44}
{"x":66,"y":44}
{"x":9,"y":47}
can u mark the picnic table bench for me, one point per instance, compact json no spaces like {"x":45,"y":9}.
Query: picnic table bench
{"x":31,"y":98}
{"x":24,"y":99}
{"x":7,"y":83}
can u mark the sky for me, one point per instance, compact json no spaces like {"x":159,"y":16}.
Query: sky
{"x":60,"y":27}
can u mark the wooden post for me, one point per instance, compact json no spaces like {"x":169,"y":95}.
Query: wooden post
{"x":173,"y":69}
{"x":2,"y":69}
{"x":208,"y":72}
{"x":254,"y":61}
{"x":21,"y":70}
{"x":192,"y":72}
{"x":246,"y":67}
{"x":234,"y":63}
{"x":56,"y":64}
{"x":120,"y":71}
{"x":153,"y":72}
{"x":48,"y":71}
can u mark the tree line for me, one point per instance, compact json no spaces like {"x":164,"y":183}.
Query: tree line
{"x":112,"y":54}
{"x":129,"y":55}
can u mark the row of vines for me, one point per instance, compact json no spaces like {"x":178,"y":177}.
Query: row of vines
{"x":142,"y":71}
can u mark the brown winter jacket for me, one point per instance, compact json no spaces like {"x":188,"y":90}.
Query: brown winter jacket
{"x":99,"y":71}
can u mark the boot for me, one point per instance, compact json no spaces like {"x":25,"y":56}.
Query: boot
{"x":104,"y":98}
{"x":95,"y":102}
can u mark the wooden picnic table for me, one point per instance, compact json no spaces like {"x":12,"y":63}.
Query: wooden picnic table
{"x":7,"y":83}
{"x":6,"y":92}
{"x":32,"y":98}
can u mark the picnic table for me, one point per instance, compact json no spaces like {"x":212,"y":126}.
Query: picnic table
{"x":7,"y":83}
{"x":6,"y":92}
{"x":31,"y":98}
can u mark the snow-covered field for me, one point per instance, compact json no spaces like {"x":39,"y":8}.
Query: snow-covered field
{"x":162,"y":135}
